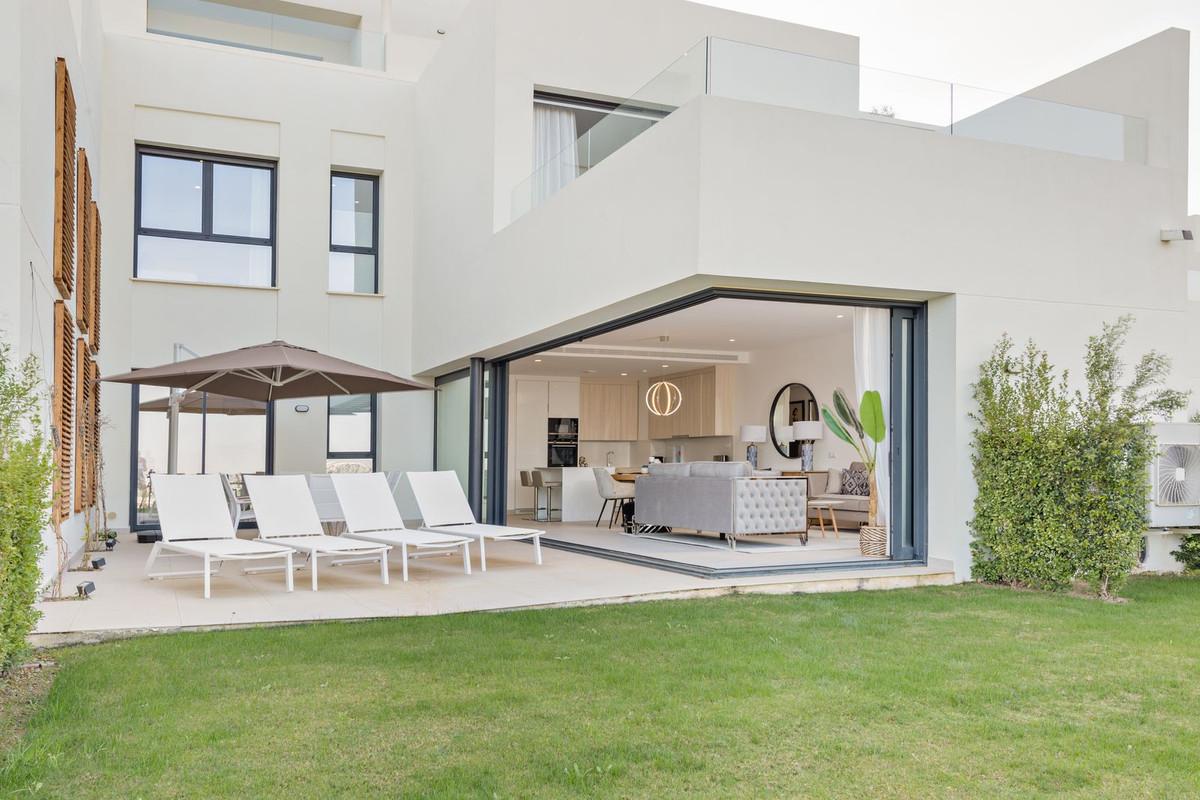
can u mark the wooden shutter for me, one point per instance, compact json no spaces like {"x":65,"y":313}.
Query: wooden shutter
{"x":83,"y":424}
{"x":83,"y":242}
{"x":64,"y":180}
{"x":63,"y":402}
{"x":94,"y":432}
{"x":94,"y":229}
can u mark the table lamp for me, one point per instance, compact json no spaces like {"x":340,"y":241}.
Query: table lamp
{"x":806,"y":432}
{"x":752,"y":436}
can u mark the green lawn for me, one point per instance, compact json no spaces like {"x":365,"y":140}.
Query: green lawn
{"x":957,"y":692}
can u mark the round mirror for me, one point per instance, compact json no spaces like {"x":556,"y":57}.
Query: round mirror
{"x":793,"y":403}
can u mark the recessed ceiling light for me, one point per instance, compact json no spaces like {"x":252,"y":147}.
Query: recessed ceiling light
{"x":841,"y":316}
{"x":537,"y":361}
{"x":441,"y":31}
{"x":666,"y":365}
{"x":195,"y":187}
{"x":624,"y":374}
{"x":591,"y":371}
{"x":643,"y":370}
{"x":733,"y":340}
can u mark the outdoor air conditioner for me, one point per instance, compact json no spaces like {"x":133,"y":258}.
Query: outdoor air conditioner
{"x":1175,"y":479}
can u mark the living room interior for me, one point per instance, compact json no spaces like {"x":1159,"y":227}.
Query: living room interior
{"x":646,"y":443}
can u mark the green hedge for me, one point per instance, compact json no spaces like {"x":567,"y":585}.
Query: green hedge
{"x":1063,"y":476}
{"x":26,"y":467}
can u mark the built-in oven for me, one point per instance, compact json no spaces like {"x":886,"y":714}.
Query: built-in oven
{"x":562,"y":453}
{"x":562,"y":442}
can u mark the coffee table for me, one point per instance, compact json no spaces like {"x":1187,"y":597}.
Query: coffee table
{"x":821,"y":506}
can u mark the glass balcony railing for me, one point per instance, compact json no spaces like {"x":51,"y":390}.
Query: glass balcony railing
{"x":740,"y":71}
{"x":250,"y":28}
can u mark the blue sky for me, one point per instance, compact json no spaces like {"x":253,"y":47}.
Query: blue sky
{"x":1008,"y":46}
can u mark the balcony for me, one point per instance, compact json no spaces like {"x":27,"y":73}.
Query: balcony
{"x":274,"y":26}
{"x":739,"y":71}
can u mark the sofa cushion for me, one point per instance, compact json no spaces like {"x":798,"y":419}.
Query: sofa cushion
{"x":720,"y":469}
{"x":677,"y":470}
{"x":856,"y":482}
{"x":847,"y":502}
{"x":834,"y":484}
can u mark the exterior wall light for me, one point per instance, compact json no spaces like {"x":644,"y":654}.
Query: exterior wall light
{"x":663,"y":398}
{"x":1175,"y":235}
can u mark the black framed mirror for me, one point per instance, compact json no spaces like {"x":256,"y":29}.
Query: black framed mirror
{"x":795,"y":402}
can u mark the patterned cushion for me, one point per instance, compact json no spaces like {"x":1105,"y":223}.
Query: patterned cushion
{"x":856,"y":482}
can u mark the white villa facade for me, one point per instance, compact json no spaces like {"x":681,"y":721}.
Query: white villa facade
{"x":766,"y":170}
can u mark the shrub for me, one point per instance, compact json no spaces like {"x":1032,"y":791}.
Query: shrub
{"x":26,"y":467}
{"x":1189,"y":552}
{"x":1063,"y":478}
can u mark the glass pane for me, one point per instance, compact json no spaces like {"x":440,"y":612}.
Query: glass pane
{"x":172,"y":194}
{"x":453,"y":420}
{"x":203,"y":262}
{"x":352,"y":203}
{"x":350,"y":423}
{"x":152,"y":447}
{"x":241,"y":201}
{"x":344,"y":465}
{"x":352,"y":272}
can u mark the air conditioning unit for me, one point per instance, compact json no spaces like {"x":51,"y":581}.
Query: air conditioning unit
{"x":1175,"y":482}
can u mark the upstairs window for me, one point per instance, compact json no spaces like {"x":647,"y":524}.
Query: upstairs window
{"x":204,"y":219}
{"x":353,"y":233}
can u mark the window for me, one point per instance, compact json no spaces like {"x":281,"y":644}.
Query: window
{"x":353,"y":233}
{"x":201,"y":219}
{"x":217,"y":434}
{"x":351,"y":433}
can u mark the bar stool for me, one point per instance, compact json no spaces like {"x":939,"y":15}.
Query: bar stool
{"x":527,"y":483}
{"x":541,"y":481}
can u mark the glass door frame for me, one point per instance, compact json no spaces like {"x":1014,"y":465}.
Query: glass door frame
{"x":909,"y":374}
{"x":134,"y":413}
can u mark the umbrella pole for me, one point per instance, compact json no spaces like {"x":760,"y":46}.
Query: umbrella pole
{"x":173,"y":433}
{"x":174,"y":400}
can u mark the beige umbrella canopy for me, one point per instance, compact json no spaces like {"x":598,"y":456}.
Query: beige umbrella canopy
{"x":199,"y":403}
{"x":273,"y":371}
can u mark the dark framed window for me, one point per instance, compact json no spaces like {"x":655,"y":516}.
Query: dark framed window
{"x":216,"y":435}
{"x":350,"y":433}
{"x":200,"y":218}
{"x":353,"y":233}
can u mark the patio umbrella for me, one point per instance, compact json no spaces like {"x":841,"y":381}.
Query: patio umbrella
{"x":196,"y":403}
{"x":273,"y":371}
{"x":265,"y":372}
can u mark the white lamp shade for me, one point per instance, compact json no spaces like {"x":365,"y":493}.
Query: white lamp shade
{"x":808,"y":430}
{"x":754,"y":433}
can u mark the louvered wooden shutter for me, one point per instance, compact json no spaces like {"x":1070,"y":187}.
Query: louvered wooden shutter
{"x":64,"y":180}
{"x":63,"y":402}
{"x":83,"y":242}
{"x":83,"y":424}
{"x":94,"y":228}
{"x":94,"y":446}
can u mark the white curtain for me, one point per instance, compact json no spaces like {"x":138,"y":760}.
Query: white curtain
{"x":872,"y":370}
{"x":554,"y":158}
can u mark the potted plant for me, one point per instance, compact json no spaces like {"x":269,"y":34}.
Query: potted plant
{"x":863,"y":430}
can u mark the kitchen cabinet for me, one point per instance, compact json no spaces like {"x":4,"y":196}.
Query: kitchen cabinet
{"x":608,"y":412}
{"x":706,"y":408}
{"x":563,"y":399}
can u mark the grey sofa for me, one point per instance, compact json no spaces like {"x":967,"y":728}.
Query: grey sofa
{"x":852,"y":513}
{"x":721,"y":497}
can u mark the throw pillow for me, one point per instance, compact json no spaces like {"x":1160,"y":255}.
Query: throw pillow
{"x":856,"y":482}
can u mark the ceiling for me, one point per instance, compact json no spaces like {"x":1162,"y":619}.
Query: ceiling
{"x":720,"y":327}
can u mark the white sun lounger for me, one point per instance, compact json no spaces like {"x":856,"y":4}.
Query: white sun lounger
{"x":371,"y":515}
{"x":444,"y":508}
{"x":286,"y":516}
{"x":195,"y":521}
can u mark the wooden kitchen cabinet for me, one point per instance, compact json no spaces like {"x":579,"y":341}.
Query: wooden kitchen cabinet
{"x":706,"y":409}
{"x":608,"y":412}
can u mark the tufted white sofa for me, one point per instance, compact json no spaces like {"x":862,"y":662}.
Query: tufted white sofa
{"x":721,"y":497}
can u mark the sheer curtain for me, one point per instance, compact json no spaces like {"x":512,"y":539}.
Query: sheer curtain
{"x":554,"y":159}
{"x":872,"y":370}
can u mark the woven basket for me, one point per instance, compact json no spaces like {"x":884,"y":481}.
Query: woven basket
{"x":873,"y":541}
